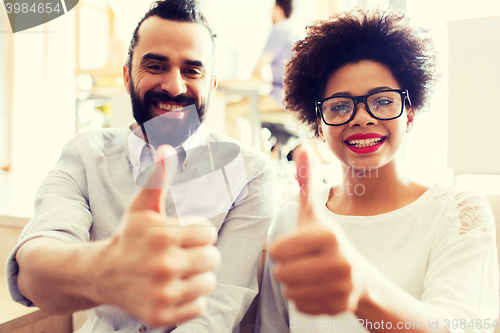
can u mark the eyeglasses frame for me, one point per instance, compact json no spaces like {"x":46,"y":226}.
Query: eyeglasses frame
{"x":362,"y":99}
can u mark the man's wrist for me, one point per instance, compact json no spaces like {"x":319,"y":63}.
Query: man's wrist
{"x":93,"y":263}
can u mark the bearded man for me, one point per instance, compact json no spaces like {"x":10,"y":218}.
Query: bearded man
{"x":99,"y":241}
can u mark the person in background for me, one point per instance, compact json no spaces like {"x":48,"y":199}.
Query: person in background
{"x":276,"y":53}
{"x":98,"y":241}
{"x":377,"y":252}
{"x":278,"y":49}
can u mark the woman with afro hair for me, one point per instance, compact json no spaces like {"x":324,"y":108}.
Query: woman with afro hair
{"x":377,"y":252}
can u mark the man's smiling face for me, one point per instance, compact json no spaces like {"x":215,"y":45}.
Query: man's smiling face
{"x":171,"y":69}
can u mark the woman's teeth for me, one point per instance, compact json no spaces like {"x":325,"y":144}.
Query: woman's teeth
{"x":365,"y":142}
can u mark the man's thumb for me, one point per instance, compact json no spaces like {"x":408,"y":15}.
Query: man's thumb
{"x":159,"y":175}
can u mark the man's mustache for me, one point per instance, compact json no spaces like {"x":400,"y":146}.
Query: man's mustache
{"x":164,"y":96}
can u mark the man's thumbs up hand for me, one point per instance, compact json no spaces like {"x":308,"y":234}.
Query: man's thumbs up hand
{"x":153,"y":268}
{"x":152,"y":196}
{"x":315,"y":263}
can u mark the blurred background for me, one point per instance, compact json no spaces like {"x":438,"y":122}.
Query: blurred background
{"x":65,"y":77}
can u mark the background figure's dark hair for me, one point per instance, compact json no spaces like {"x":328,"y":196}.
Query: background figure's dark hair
{"x":345,"y":38}
{"x":287,"y":7}
{"x":174,"y":10}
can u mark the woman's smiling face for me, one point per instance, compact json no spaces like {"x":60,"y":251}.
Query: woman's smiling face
{"x":364,"y":143}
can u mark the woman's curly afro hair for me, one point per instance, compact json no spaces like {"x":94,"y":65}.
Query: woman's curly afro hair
{"x":345,"y":38}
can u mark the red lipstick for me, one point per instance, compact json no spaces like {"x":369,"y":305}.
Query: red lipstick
{"x":365,"y":136}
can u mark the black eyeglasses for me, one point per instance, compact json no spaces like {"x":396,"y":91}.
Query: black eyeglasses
{"x":382,"y":105}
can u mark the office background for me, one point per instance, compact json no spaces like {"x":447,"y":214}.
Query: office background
{"x":64,"y":77}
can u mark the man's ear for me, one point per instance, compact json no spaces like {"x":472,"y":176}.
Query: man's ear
{"x":215,"y":84}
{"x":410,"y":114}
{"x":126,"y":79}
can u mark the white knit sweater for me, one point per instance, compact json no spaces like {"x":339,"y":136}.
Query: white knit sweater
{"x":440,"y":249}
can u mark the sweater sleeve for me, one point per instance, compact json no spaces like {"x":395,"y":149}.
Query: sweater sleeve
{"x":462,"y":271}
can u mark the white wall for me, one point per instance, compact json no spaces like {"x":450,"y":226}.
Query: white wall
{"x":474,"y":109}
{"x":427,"y":147}
{"x":4,"y":88}
{"x":44,"y":114}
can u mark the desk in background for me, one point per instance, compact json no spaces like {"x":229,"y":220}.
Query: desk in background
{"x":252,"y":89}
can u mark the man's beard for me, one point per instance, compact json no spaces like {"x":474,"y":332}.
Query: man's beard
{"x":165,"y":129}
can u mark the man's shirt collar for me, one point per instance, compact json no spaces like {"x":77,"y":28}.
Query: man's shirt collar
{"x":143,"y":155}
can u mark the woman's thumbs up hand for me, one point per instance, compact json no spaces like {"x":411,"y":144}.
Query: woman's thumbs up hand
{"x":316,"y":263}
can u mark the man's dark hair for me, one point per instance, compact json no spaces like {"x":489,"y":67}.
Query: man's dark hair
{"x":174,"y":10}
{"x":348,"y":38}
{"x":287,"y":7}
